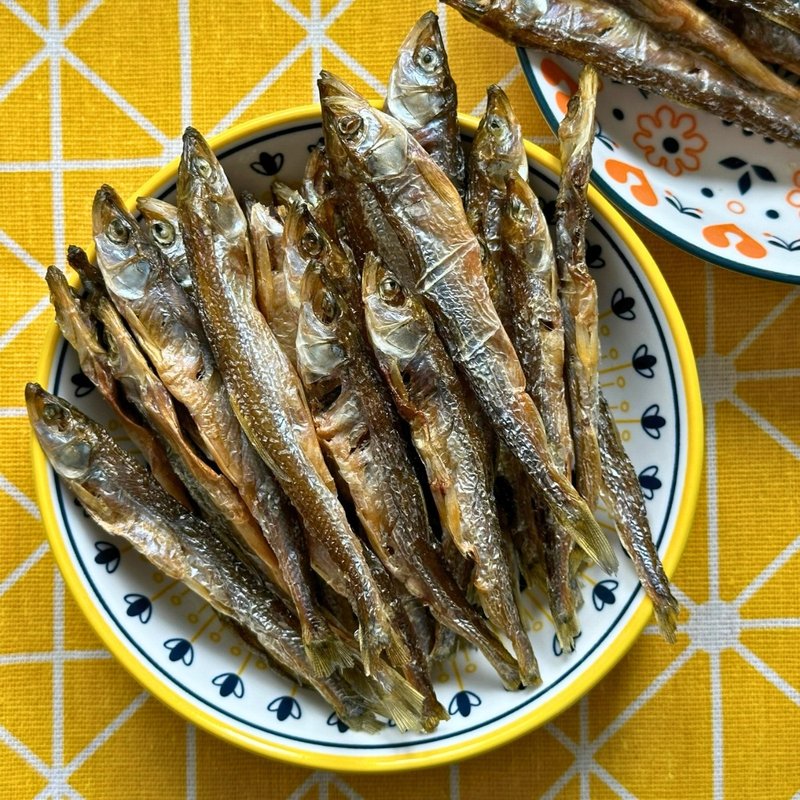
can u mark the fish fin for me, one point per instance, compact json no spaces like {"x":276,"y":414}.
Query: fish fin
{"x":389,"y":693}
{"x":433,"y":713}
{"x":583,"y":527}
{"x":327,"y":655}
{"x":567,"y":630}
{"x":366,"y":722}
{"x":666,"y":610}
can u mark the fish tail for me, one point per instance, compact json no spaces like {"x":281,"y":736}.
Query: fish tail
{"x":582,"y":526}
{"x":352,"y":705}
{"x":666,"y":609}
{"x":374,"y":637}
{"x":433,"y":712}
{"x":327,"y":655}
{"x":445,"y":643}
{"x":392,"y":695}
{"x":567,"y":629}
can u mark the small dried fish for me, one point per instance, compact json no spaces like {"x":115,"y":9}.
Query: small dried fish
{"x":169,"y":331}
{"x":683,"y":19}
{"x":624,"y":496}
{"x":422,"y":94}
{"x":425,"y":212}
{"x":429,"y":395}
{"x":357,"y":427}
{"x":497,"y":151}
{"x":265,"y":391}
{"x":577,"y":289}
{"x":627,"y":50}
{"x":79,"y":330}
{"x":537,"y":331}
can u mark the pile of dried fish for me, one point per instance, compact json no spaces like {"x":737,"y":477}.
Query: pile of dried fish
{"x":705,"y":57}
{"x":362,"y":407}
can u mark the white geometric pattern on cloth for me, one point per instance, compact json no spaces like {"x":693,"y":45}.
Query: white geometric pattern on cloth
{"x":711,"y":626}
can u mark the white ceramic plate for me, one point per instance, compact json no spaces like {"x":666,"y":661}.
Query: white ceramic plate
{"x":721,"y":193}
{"x":177,"y":648}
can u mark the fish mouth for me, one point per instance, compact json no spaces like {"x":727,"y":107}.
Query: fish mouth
{"x":106,"y":207}
{"x":35,"y":398}
{"x":497,"y":102}
{"x":426,"y":31}
{"x":330,"y":85}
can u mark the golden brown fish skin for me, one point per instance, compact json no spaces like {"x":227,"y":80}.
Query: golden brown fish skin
{"x":265,"y":391}
{"x":425,"y":211}
{"x":366,"y":227}
{"x":422,"y":94}
{"x":429,"y":395}
{"x":498,"y":150}
{"x":415,"y":670}
{"x":537,"y":326}
{"x":318,"y":191}
{"x":358,"y":428}
{"x":537,"y":332}
{"x":690,"y":25}
{"x":168,"y":328}
{"x":212,"y":491}
{"x":623,"y":48}
{"x":767,"y":40}
{"x":624,"y":496}
{"x":258,"y":229}
{"x":78,"y":328}
{"x":123,"y":499}
{"x":577,"y":288}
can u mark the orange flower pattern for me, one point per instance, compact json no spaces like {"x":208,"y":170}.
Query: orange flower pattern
{"x":670,"y":140}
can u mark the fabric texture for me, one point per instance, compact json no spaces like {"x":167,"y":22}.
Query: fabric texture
{"x":99,"y":91}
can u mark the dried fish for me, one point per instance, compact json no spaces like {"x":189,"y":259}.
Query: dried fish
{"x":627,"y":50}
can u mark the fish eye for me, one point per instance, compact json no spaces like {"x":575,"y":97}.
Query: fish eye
{"x":55,"y":415}
{"x":117,"y":231}
{"x":328,"y":308}
{"x":391,"y":291}
{"x":350,"y":125}
{"x":203,"y":167}
{"x":428,"y":59}
{"x":311,"y":243}
{"x":163,"y":233}
{"x":494,"y":124}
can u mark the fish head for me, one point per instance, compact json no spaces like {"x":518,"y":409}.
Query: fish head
{"x":162,"y":229}
{"x":160,"y":222}
{"x":420,"y":85}
{"x":204,"y":188}
{"x":303,"y":242}
{"x":62,"y":432}
{"x":123,"y":255}
{"x":375,"y":144}
{"x":321,"y":332}
{"x":498,"y":143}
{"x":331,"y":85}
{"x":397,"y":324}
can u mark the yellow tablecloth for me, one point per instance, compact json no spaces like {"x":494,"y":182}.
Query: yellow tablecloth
{"x":99,"y":91}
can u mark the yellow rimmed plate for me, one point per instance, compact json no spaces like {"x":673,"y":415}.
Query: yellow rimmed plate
{"x":172,"y":643}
